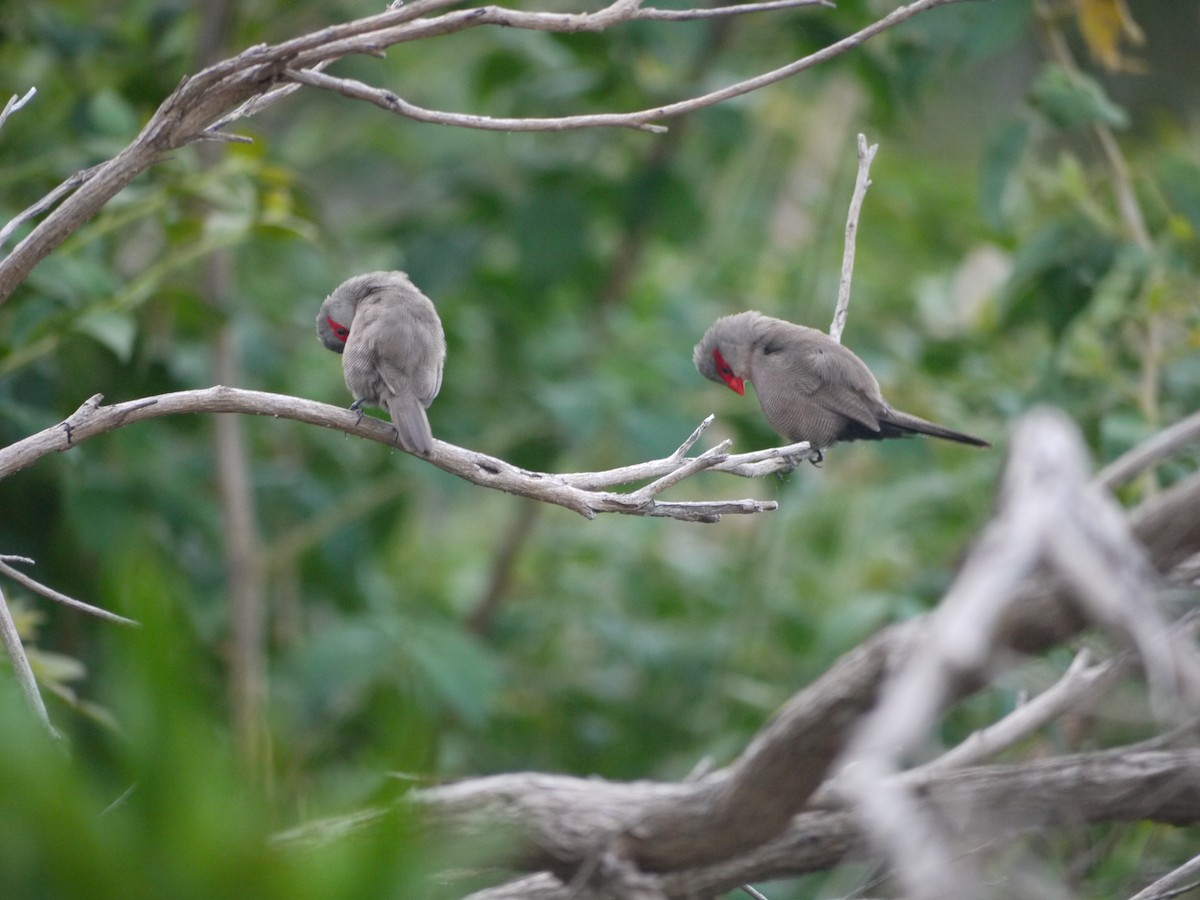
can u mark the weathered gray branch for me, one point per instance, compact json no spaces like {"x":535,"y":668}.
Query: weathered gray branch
{"x":584,"y":493}
{"x":1049,"y":519}
{"x":749,"y":820}
{"x":10,"y":640}
{"x":57,"y":596}
{"x":862,"y":181}
{"x":243,"y":84}
{"x":15,"y":103}
{"x":984,"y":802}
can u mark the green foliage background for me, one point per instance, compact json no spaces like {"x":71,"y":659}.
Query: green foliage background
{"x":573,"y":272}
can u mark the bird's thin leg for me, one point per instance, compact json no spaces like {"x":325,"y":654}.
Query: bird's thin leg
{"x":356,"y":406}
{"x":820,"y":458}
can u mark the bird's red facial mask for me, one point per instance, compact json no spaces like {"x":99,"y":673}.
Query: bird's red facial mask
{"x":340,"y":331}
{"x":736,"y":383}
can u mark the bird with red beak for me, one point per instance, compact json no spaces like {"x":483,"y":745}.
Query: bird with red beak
{"x":392,"y":347}
{"x":809,"y":386}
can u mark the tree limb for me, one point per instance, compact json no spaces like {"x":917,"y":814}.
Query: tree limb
{"x":15,"y":103}
{"x":584,"y":492}
{"x":239,"y":86}
{"x":866,"y":156}
{"x":50,"y":594}
{"x":736,"y":813}
{"x":984,"y":802}
{"x":10,"y":639}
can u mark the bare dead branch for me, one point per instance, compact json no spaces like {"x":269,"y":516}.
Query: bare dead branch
{"x":50,"y":594}
{"x":1109,"y":786}
{"x":650,"y":13}
{"x":388,"y":100}
{"x":752,"y":464}
{"x":866,"y":156}
{"x":741,"y":822}
{"x":1080,"y":684}
{"x":10,"y":638}
{"x":1150,"y":453}
{"x":584,"y":494}
{"x":48,"y":201}
{"x":1170,"y":884}
{"x":1049,"y":516}
{"x":15,"y":103}
{"x":240,"y":86}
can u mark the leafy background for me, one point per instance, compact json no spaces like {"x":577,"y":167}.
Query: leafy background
{"x":420,"y":627}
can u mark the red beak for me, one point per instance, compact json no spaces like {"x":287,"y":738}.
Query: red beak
{"x":736,"y":382}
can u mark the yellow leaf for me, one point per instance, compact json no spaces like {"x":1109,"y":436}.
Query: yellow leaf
{"x":1105,"y":24}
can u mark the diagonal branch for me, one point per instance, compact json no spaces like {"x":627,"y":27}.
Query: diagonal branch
{"x":50,"y":594}
{"x":385,"y":99}
{"x":10,"y":640}
{"x":239,"y":86}
{"x":585,"y":493}
{"x":15,"y":103}
{"x":753,"y":809}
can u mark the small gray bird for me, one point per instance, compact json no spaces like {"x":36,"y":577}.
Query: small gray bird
{"x":392,"y":347}
{"x":810,"y":387}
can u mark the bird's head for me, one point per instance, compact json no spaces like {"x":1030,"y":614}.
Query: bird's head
{"x":336,"y":316}
{"x":724,"y":353}
{"x":334,"y":321}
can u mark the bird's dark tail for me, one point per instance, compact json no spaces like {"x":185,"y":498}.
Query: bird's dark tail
{"x":900,"y":424}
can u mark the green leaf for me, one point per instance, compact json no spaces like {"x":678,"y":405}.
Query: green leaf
{"x":458,"y":668}
{"x":1072,"y":100}
{"x":114,"y":330}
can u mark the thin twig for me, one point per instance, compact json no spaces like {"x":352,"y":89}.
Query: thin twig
{"x":1168,"y":885}
{"x":11,"y":639}
{"x":388,"y":100}
{"x":1150,"y":452}
{"x":654,"y":14}
{"x":260,"y":102}
{"x":236,"y":87}
{"x":50,"y":594}
{"x":36,"y":209}
{"x":1049,"y":515}
{"x":1079,"y":684}
{"x":866,"y":155}
{"x":14,"y":103}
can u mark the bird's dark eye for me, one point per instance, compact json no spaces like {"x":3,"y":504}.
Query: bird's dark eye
{"x":339,"y":330}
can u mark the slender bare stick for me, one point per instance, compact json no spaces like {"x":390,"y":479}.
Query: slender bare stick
{"x":1150,"y":452}
{"x":14,"y":103}
{"x":866,"y":155}
{"x":20,"y":663}
{"x":1169,"y":885}
{"x":1078,"y":685}
{"x":388,"y":100}
{"x":235,"y":87}
{"x":50,"y":594}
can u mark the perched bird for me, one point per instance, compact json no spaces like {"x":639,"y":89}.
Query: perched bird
{"x":810,"y":387}
{"x":392,"y":347}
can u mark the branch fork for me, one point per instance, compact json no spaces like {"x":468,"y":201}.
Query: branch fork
{"x":586,"y":493}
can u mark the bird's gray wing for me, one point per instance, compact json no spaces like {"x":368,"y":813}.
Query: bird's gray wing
{"x":847,"y":385}
{"x":410,"y":350}
{"x":806,"y":362}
